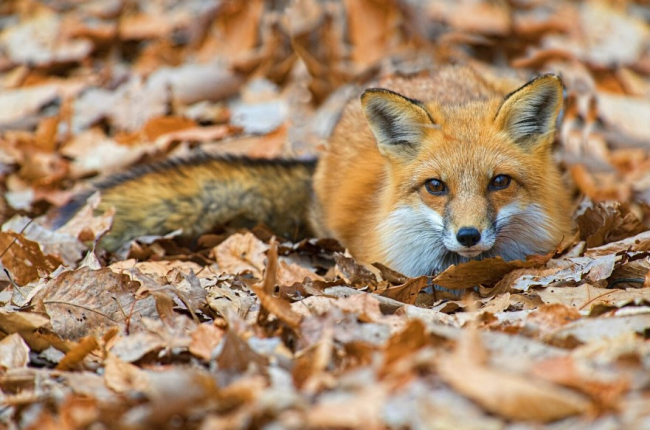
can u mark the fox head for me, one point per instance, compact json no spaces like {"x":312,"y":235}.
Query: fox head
{"x":469,"y":181}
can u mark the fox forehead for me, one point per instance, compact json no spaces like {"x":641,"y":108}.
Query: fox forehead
{"x":469,"y":155}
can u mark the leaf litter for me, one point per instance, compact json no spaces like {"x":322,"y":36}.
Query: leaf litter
{"x":241,"y":330}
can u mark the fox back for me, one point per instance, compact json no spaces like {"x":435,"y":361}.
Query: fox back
{"x":432,"y":171}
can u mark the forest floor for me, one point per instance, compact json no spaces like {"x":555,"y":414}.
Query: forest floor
{"x":243,"y":331}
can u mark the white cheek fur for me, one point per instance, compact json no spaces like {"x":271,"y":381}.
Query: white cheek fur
{"x":413,"y":238}
{"x":522,"y":232}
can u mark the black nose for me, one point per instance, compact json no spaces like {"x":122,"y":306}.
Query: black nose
{"x":468,"y":236}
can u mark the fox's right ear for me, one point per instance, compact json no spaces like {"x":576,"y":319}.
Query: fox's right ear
{"x":398,"y":123}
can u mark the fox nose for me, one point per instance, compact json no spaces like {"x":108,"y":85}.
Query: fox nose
{"x":468,"y":236}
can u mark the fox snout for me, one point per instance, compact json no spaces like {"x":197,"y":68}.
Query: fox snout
{"x":468,"y":236}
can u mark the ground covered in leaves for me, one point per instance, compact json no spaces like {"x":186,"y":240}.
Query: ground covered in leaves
{"x":245,"y":331}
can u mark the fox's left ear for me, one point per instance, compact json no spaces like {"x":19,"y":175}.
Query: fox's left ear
{"x":398,"y":123}
{"x":529,"y":114}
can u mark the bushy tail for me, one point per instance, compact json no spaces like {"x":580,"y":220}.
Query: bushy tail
{"x":201,"y":193}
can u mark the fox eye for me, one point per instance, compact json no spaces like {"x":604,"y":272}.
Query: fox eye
{"x":435,"y":187}
{"x":499,"y":182}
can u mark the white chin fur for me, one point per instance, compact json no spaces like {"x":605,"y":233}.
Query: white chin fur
{"x":469,"y":254}
{"x":413,"y":239}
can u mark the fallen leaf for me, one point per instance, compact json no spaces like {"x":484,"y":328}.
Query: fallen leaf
{"x":549,"y":317}
{"x":264,"y":292}
{"x":353,"y":273}
{"x":14,"y":352}
{"x":237,"y":356}
{"x":607,"y":392}
{"x":205,"y":339}
{"x":88,"y":302}
{"x":608,"y":222}
{"x":77,"y":354}
{"x":594,"y":329}
{"x":488,"y":271}
{"x":291,"y":273}
{"x":23,"y":258}
{"x":511,"y":396}
{"x":408,"y":292}
{"x":241,"y":253}
{"x":59,"y":244}
{"x":123,"y":377}
{"x":37,"y":41}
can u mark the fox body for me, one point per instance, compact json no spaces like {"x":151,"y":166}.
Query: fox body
{"x":424,"y":173}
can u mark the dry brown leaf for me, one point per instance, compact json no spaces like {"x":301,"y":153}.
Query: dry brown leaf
{"x":373,"y":29}
{"x":133,"y":347}
{"x":626,"y":115}
{"x":402,"y":345}
{"x":585,"y":297}
{"x":626,"y":36}
{"x":604,"y":328}
{"x":497,"y":304}
{"x":176,"y":392}
{"x":272,"y":145}
{"x":24,"y":259}
{"x":153,"y":25}
{"x":264,"y":292}
{"x":408,"y":292}
{"x":131,"y":105}
{"x":353,"y":273}
{"x":241,"y":253}
{"x":391,"y":275}
{"x":92,"y":152}
{"x":196,"y":134}
{"x":76,"y":355}
{"x":88,"y":302}
{"x":14,"y":352}
{"x":474,"y":16}
{"x":237,"y":27}
{"x":18,"y":104}
{"x":549,"y":317}
{"x":43,"y":168}
{"x":123,"y":377}
{"x":366,"y":306}
{"x":159,"y":126}
{"x":290,"y":273}
{"x":608,"y":222}
{"x":488,"y":271}
{"x":37,"y":40}
{"x":237,"y":356}
{"x":188,"y":84}
{"x":80,"y":411}
{"x":566,"y":272}
{"x":607,"y":392}
{"x":612,"y":189}
{"x":312,"y":362}
{"x":59,"y":244}
{"x":342,"y":410}
{"x":640,"y":242}
{"x":314,"y":305}
{"x":511,"y":396}
{"x":205,"y":339}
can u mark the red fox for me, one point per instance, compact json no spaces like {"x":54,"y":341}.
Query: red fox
{"x":423,"y":173}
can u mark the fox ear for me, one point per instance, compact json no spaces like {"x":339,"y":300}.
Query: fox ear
{"x":529,"y":114}
{"x":398,"y":123}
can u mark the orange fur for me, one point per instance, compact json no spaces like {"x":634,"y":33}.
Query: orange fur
{"x":370,"y":185}
{"x":463,"y":138}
